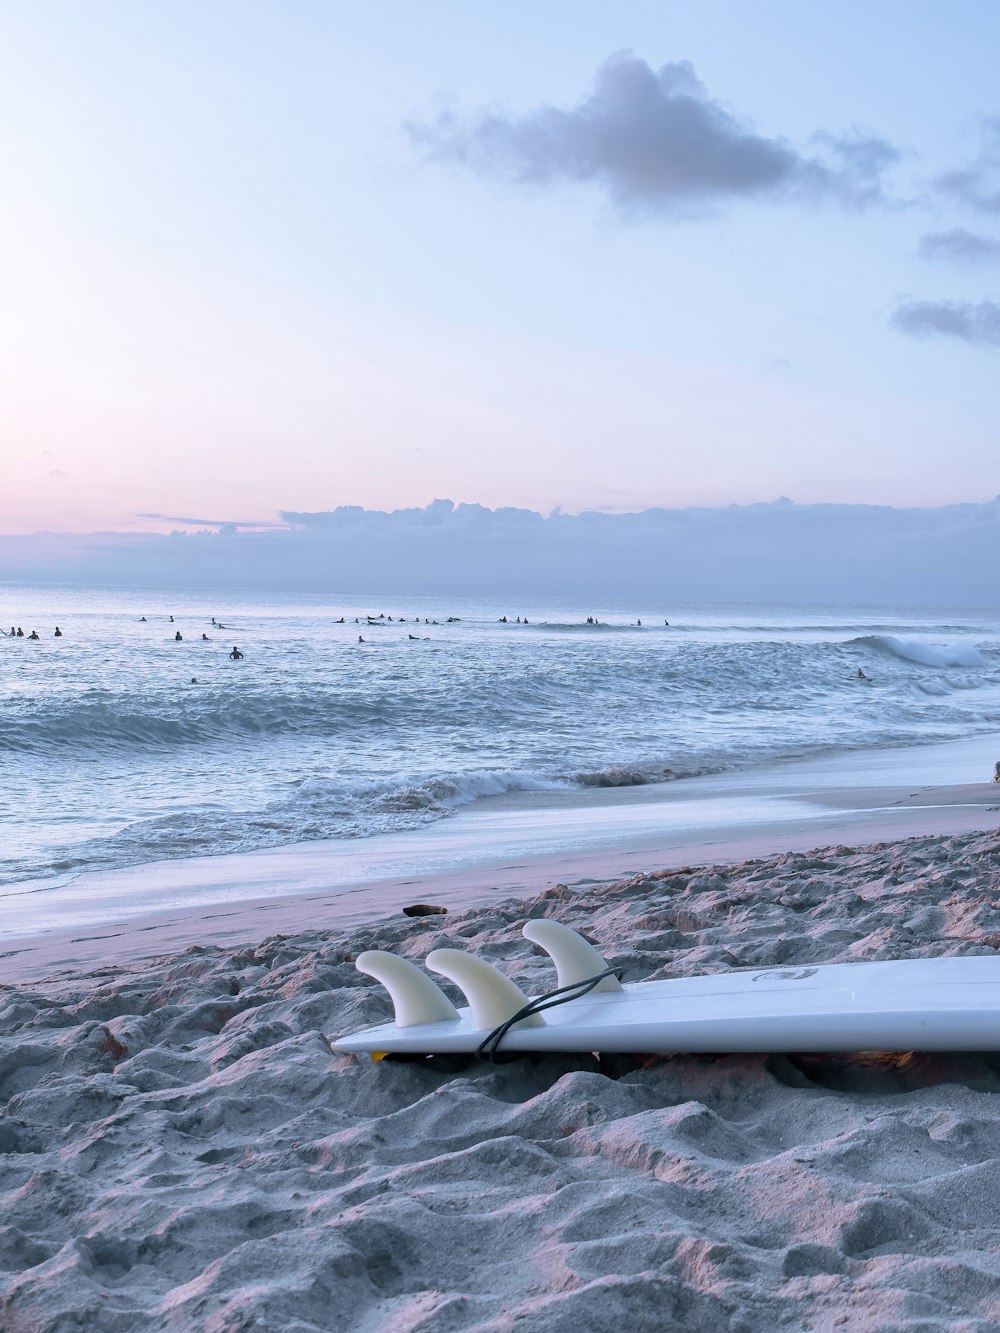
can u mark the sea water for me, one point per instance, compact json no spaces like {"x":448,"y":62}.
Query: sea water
{"x":122,"y":744}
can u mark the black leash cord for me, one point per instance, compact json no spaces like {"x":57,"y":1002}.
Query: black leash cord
{"x":490,"y":1045}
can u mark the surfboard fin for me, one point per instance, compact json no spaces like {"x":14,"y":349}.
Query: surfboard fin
{"x":415,"y":997}
{"x":576,"y":960}
{"x":493,"y":998}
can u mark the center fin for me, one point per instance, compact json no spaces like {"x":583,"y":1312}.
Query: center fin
{"x":493,"y":998}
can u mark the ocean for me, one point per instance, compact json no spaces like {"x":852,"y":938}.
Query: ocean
{"x":122,"y":744}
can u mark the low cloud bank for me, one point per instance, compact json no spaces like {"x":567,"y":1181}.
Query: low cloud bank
{"x":781,"y":551}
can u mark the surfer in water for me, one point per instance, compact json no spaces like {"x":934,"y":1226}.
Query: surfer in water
{"x":235,"y":655}
{"x":861,"y":675}
{"x":178,"y":637}
{"x":58,"y":634}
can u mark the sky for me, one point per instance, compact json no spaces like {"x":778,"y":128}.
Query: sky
{"x":272,"y":258}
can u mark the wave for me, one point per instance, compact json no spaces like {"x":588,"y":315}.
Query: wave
{"x":925,"y":654}
{"x":581,"y":627}
{"x":309,"y":809}
{"x":107,"y":721}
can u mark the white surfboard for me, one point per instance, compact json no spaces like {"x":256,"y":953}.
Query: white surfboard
{"x":934,"y":1004}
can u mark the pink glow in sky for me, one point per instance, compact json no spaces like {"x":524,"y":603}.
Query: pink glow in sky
{"x":242,"y":286}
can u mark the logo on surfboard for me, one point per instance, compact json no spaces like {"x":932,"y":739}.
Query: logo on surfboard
{"x":783,"y":974}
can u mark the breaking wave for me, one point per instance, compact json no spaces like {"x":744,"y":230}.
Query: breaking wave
{"x":925,"y":654}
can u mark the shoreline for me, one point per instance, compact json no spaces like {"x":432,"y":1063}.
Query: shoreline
{"x":344,"y":885}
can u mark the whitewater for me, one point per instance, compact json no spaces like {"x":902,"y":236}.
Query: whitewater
{"x":352,"y":716}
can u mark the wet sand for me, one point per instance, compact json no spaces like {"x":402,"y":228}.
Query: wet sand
{"x":488,"y":852}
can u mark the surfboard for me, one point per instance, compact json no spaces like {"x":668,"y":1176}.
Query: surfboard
{"x":934,"y":1004}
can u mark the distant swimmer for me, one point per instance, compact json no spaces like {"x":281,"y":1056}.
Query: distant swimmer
{"x":178,"y":637}
{"x":205,"y":638}
{"x":58,"y":634}
{"x":235,"y":655}
{"x":33,"y":634}
{"x":213,"y":620}
{"x":142,"y":620}
{"x":171,"y":620}
{"x":360,"y":639}
{"x":194,"y":680}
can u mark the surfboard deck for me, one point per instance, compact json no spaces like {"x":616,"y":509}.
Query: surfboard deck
{"x":935,"y":1004}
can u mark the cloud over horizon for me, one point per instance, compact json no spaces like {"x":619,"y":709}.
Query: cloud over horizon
{"x":758,"y":552}
{"x":657,"y":143}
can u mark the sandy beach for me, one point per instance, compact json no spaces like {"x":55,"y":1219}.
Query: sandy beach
{"x":182,"y":1149}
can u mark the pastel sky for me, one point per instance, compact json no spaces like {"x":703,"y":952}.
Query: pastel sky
{"x":265,"y":256}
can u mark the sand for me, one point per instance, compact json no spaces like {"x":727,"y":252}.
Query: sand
{"x":183,"y":1150}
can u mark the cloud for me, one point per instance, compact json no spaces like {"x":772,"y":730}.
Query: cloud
{"x":978,"y":185}
{"x":965,"y":247}
{"x":973,"y":322}
{"x":776,"y":551}
{"x":231,"y":524}
{"x":656,"y":142}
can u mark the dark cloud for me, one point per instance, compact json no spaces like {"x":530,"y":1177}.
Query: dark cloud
{"x":978,"y":185}
{"x":657,"y":142}
{"x":965,"y":247}
{"x":973,"y":322}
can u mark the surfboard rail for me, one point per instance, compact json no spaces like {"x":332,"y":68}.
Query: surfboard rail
{"x":936,"y":1004}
